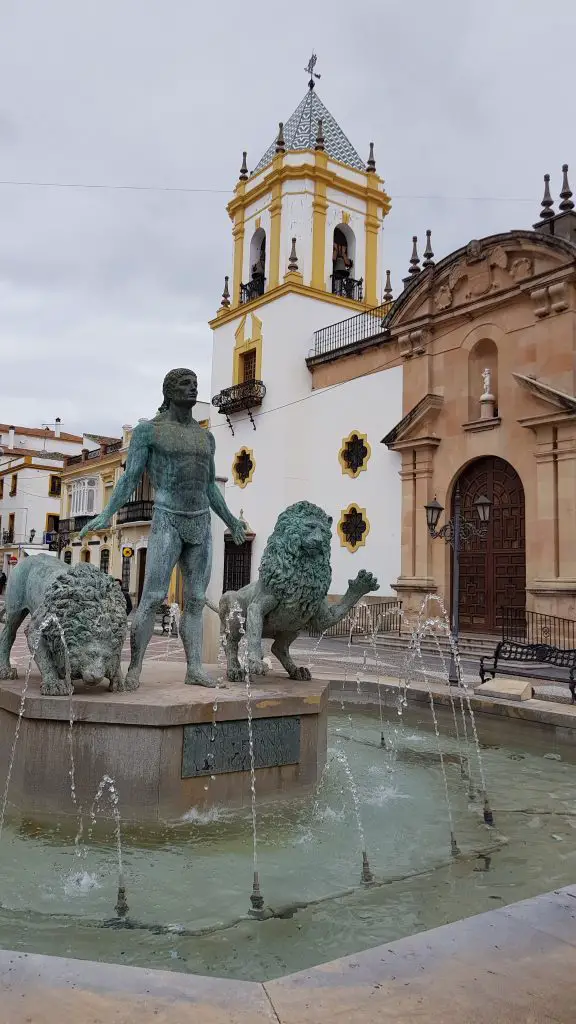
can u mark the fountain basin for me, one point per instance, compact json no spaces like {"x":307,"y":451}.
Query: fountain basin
{"x":159,"y":744}
{"x":188,"y":885}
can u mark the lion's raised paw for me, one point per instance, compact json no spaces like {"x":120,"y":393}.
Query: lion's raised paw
{"x":301,"y":673}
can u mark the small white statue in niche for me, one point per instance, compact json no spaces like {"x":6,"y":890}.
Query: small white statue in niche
{"x":487,"y":399}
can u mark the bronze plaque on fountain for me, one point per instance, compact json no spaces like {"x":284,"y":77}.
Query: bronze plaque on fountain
{"x":225,"y":747}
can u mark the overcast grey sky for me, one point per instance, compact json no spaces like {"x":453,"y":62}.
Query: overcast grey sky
{"x":103,"y":291}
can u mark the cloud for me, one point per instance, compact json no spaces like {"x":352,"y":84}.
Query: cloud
{"x":102,"y":291}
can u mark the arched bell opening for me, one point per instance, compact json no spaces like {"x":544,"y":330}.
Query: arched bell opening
{"x":343,"y":255}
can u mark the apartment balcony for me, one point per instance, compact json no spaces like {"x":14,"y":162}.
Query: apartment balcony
{"x":7,"y":536}
{"x":73,"y":525}
{"x":135,"y":512}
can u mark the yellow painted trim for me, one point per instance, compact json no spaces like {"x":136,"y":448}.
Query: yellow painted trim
{"x":346,"y":470}
{"x":238,"y":236}
{"x":50,"y":515}
{"x":372,"y":230}
{"x":258,"y":223}
{"x":275,"y":226}
{"x":288,"y":288}
{"x":293,"y":277}
{"x":244,"y":345}
{"x":329,"y":159}
{"x":343,"y":540}
{"x":316,"y":172}
{"x":344,"y":217}
{"x":51,"y":477}
{"x":237,"y":480}
{"x":319,"y":208}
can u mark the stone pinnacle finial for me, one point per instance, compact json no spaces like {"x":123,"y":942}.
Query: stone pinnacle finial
{"x":320,"y":136}
{"x":388,"y":296}
{"x":225,"y":294}
{"x":414,"y":259}
{"x":293,"y":261}
{"x":280,"y":143}
{"x":371,"y":165}
{"x":428,"y":260}
{"x":244,"y":168}
{"x":566,"y":193}
{"x":547,"y":202}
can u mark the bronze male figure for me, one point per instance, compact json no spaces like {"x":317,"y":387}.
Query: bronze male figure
{"x":179,"y":456}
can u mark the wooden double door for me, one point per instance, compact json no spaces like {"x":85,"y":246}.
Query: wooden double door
{"x":492,"y":569}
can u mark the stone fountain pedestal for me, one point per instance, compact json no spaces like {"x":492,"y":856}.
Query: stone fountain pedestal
{"x":159,"y":746}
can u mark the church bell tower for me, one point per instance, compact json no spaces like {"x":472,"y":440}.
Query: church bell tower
{"x":307,"y":253}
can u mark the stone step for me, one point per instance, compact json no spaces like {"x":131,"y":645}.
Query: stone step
{"x":470,"y":647}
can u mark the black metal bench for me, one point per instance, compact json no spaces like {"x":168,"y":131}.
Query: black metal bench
{"x":512,"y":650}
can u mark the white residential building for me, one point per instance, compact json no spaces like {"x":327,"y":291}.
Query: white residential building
{"x":31,"y":463}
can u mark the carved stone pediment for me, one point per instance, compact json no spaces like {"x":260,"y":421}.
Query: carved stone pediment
{"x":554,"y":405}
{"x":483,"y":270}
{"x":417,"y":426}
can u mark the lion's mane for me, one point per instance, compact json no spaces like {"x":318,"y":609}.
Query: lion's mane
{"x":289,"y":572}
{"x":88,"y":605}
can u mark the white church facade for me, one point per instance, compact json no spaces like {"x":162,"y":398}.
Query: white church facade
{"x":307,"y":276}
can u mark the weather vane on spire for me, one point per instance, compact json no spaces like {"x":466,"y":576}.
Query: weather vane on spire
{"x":309,"y":69}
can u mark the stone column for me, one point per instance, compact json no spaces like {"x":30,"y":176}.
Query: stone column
{"x":211,"y":622}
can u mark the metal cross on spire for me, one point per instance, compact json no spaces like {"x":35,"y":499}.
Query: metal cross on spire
{"x":309,"y":69}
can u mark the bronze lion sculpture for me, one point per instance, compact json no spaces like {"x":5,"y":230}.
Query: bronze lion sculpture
{"x":77,"y":613}
{"x":289,"y":595}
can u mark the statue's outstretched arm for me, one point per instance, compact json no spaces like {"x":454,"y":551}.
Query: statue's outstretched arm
{"x":329,"y":614}
{"x":218,"y":505}
{"x":135,"y":465}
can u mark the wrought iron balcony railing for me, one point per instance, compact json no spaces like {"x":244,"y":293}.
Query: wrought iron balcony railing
{"x":348,"y":287}
{"x":353,"y":331}
{"x":135,"y":512}
{"x":73,"y":525}
{"x":7,"y":536}
{"x":240,"y":398}
{"x":253,"y":289}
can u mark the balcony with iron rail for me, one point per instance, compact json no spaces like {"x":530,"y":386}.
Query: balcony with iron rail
{"x":253,"y":289}
{"x":350,"y":335}
{"x":73,"y":525}
{"x":135,"y":512}
{"x":240,"y":398}
{"x":348,"y":287}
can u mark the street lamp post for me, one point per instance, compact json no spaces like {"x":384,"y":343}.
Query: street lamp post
{"x":453,"y":532}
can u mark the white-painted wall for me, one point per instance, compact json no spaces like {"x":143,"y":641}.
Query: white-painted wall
{"x":298,"y":436}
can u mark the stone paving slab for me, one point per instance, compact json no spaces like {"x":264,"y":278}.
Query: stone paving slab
{"x":508,"y":965}
{"x":514,"y":965}
{"x":52,"y":990}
